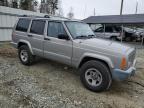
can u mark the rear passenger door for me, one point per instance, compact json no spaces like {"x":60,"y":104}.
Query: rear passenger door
{"x":36,"y":34}
{"x":55,"y":48}
{"x":99,"y":32}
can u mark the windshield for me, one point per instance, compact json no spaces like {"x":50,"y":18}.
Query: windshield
{"x":79,"y":30}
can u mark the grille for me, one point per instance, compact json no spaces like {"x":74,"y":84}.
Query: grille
{"x":132,"y":56}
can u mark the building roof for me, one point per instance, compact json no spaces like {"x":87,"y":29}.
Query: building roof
{"x":116,"y":19}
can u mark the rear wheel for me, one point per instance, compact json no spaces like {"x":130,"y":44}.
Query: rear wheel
{"x":95,"y":76}
{"x":25,"y":55}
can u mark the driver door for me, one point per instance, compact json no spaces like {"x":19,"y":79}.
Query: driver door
{"x":54,"y":48}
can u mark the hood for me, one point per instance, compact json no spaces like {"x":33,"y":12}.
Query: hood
{"x":129,"y":30}
{"x":106,"y":45}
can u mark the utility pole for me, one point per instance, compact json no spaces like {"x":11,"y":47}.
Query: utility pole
{"x":136,"y":6}
{"x":85,"y":8}
{"x":94,"y":12}
{"x":121,"y":10}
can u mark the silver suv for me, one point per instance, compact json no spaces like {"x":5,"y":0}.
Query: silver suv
{"x":74,"y":43}
{"x":110,"y":32}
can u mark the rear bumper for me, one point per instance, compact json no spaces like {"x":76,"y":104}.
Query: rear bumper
{"x":121,"y":75}
{"x":13,"y":44}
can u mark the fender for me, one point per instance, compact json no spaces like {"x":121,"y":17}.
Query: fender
{"x":26,"y":42}
{"x":97,"y":56}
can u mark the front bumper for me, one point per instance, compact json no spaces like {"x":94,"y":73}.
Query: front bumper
{"x":121,"y":75}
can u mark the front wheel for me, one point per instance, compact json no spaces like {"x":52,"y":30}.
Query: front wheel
{"x":95,"y":76}
{"x":113,"y":38}
{"x":128,"y":39}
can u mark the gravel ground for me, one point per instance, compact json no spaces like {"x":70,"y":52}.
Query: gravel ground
{"x":47,"y":84}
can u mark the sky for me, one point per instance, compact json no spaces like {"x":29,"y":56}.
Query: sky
{"x":85,"y":8}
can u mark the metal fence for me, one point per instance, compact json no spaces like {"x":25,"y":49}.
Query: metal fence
{"x":8,"y":17}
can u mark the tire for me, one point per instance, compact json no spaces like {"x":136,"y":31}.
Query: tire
{"x":113,"y":38}
{"x":128,"y":39}
{"x":101,"y":70}
{"x":24,"y":51}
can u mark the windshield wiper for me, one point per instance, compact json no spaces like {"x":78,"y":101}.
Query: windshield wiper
{"x":91,"y":36}
{"x":85,"y":36}
{"x":82,"y":37}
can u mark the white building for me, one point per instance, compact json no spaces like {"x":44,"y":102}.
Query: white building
{"x":8,"y":17}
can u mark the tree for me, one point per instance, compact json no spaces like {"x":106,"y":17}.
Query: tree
{"x":28,"y":5}
{"x":49,"y":6}
{"x":59,"y":11}
{"x":35,"y":5}
{"x":54,"y":6}
{"x":24,"y":4}
{"x":70,"y":15}
{"x":4,"y":2}
{"x":9,"y":3}
{"x":14,"y":4}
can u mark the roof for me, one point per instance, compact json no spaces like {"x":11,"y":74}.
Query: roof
{"x":50,"y":17}
{"x":116,"y":19}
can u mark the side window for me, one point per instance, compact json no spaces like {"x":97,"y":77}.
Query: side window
{"x":99,"y":30}
{"x":23,"y":25}
{"x":37,"y":27}
{"x":109,"y":29}
{"x":55,"y":28}
{"x":118,"y":29}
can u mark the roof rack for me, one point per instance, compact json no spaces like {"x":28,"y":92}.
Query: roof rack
{"x":45,"y":16}
{"x":22,"y":15}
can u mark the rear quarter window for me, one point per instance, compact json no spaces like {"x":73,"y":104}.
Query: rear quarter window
{"x":23,"y":25}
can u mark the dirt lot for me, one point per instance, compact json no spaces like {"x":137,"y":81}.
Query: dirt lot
{"x":47,"y":84}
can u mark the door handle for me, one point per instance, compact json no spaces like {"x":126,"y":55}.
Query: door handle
{"x":47,"y":39}
{"x":30,"y":35}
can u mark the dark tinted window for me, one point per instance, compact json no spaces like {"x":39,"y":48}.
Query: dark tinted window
{"x":55,"y":28}
{"x":118,"y":29}
{"x":108,"y":29}
{"x":37,"y":27}
{"x":23,"y":25}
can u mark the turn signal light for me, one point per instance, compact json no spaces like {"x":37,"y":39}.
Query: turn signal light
{"x":123,"y":64}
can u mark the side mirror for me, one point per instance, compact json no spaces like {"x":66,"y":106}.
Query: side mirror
{"x":63,"y":36}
